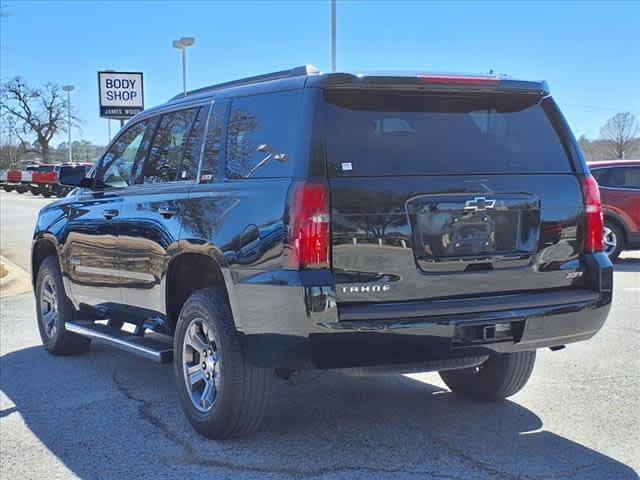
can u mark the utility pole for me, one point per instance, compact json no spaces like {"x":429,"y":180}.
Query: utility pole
{"x":68,"y":89}
{"x":333,"y":35}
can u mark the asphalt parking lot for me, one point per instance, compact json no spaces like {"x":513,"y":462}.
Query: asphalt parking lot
{"x":106,"y":414}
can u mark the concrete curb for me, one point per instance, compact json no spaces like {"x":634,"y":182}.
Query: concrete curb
{"x":16,"y":281}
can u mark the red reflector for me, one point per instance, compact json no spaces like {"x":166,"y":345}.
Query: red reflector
{"x":308,"y":226}
{"x":593,"y":240}
{"x":458,"y":80}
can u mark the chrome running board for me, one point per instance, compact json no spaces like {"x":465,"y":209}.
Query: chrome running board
{"x":153,"y":346}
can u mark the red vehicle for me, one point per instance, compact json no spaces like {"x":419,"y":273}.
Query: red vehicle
{"x":13,"y":182}
{"x":619,"y":182}
{"x":44,"y":180}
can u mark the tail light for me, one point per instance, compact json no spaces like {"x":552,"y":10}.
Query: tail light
{"x":593,"y":241}
{"x":308,"y":236}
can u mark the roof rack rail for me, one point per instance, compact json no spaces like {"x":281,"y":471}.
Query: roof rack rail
{"x":290,"y":73}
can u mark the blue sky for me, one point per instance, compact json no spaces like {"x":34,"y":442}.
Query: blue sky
{"x":588,"y":52}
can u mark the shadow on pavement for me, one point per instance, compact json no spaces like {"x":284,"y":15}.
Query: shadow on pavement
{"x":109,"y":415}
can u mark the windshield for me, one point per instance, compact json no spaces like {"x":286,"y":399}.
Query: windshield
{"x":376,"y":134}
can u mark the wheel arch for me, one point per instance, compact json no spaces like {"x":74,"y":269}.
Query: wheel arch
{"x":613,"y":218}
{"x":187,"y":272}
{"x":43,"y":247}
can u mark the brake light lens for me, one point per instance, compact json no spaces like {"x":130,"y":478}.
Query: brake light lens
{"x":308,"y":240}
{"x":459,"y":80}
{"x":593,"y":239}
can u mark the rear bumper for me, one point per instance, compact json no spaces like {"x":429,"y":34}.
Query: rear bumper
{"x":301,"y":326}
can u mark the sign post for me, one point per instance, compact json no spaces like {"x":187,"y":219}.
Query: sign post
{"x":121,"y":94}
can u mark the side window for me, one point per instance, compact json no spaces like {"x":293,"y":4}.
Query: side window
{"x":116,"y":166}
{"x":173,"y":153}
{"x":624,"y":177}
{"x":189,"y":169}
{"x":633,"y":178}
{"x":262,"y":135}
{"x":213,"y":142}
{"x":601,"y":175}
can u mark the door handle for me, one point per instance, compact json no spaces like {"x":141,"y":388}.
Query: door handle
{"x":111,"y":213}
{"x":167,"y":211}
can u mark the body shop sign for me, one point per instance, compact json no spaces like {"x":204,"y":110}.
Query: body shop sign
{"x":121,"y":94}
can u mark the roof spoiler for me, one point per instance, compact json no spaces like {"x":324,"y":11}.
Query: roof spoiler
{"x":436,"y":82}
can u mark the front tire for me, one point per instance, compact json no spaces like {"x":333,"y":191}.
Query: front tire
{"x":613,"y":240}
{"x":221,"y":393}
{"x":501,"y":376}
{"x":53,"y":308}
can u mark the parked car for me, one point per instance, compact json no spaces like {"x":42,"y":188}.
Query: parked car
{"x":26,"y":179}
{"x":300,"y":220}
{"x":13,"y":181}
{"x":619,"y":182}
{"x":42,"y":178}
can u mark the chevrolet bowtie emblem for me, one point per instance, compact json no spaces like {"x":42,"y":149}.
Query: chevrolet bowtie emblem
{"x":479,"y":203}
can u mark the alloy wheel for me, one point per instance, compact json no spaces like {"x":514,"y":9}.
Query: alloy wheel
{"x":610,"y":240}
{"x":201,"y":365}
{"x":49,"y":307}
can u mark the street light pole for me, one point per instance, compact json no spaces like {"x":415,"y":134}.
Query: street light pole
{"x":68,"y":89}
{"x":333,"y":35}
{"x":184,"y":71}
{"x":182,"y":45}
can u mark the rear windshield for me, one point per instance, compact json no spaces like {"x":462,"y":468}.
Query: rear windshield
{"x":376,"y":134}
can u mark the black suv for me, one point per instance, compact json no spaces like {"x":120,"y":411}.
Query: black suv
{"x":301,"y":220}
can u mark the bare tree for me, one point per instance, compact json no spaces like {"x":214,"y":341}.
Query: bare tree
{"x":620,"y":133}
{"x":39,"y":114}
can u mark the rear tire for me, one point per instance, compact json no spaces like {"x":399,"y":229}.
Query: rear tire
{"x":613,"y":240}
{"x":221,"y":393}
{"x":501,"y":376}
{"x":53,"y":308}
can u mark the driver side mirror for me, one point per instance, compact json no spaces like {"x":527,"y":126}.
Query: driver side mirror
{"x":74,"y":177}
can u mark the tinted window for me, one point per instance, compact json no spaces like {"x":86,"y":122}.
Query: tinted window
{"x":262,"y":135}
{"x":601,"y":175}
{"x":116,"y":167}
{"x":45,"y":168}
{"x":372,"y":134}
{"x":213,"y":143}
{"x":173,"y":153}
{"x":621,"y":177}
